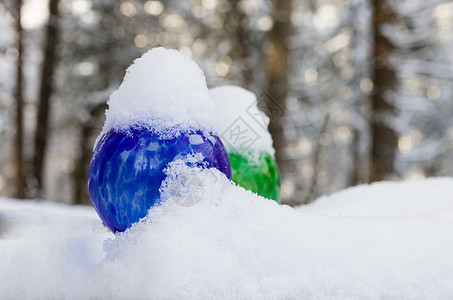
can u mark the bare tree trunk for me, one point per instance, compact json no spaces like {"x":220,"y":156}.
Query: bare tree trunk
{"x":316,"y":162}
{"x":46,"y":89}
{"x":384,"y":138}
{"x":239,"y":35}
{"x":354,"y":177}
{"x":242,"y":41}
{"x":81,"y":164}
{"x":277,"y":72}
{"x":18,"y":143}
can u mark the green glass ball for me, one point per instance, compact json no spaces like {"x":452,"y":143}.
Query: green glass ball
{"x":261,"y":177}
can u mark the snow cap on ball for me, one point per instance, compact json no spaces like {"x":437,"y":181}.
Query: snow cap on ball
{"x":164,"y":91}
{"x":237,"y":113}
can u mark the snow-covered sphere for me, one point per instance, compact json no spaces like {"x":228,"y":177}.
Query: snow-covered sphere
{"x":126,"y":170}
{"x":243,"y":130}
{"x":160,"y":113}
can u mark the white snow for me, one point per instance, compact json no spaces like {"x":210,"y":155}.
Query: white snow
{"x":165,"y":91}
{"x":383,"y":241}
{"x":242,"y":126}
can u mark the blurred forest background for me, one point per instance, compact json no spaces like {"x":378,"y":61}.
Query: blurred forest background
{"x":363,"y":88}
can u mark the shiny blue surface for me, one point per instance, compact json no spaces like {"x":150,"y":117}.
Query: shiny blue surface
{"x":126,"y":171}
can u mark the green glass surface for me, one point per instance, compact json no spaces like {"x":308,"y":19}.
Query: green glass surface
{"x":262,"y":177}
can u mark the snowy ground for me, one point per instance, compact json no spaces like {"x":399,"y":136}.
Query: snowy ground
{"x":386,"y":241}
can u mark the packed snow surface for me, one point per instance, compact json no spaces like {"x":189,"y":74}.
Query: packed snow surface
{"x":162,"y":90}
{"x":242,"y":126}
{"x":381,"y":241}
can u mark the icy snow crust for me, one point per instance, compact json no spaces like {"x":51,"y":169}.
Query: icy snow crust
{"x":383,"y":241}
{"x":164,"y":91}
{"x":237,"y":110}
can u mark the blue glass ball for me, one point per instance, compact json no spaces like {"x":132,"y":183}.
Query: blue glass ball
{"x":126,"y":170}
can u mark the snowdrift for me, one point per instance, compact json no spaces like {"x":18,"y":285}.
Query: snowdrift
{"x":386,"y":240}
